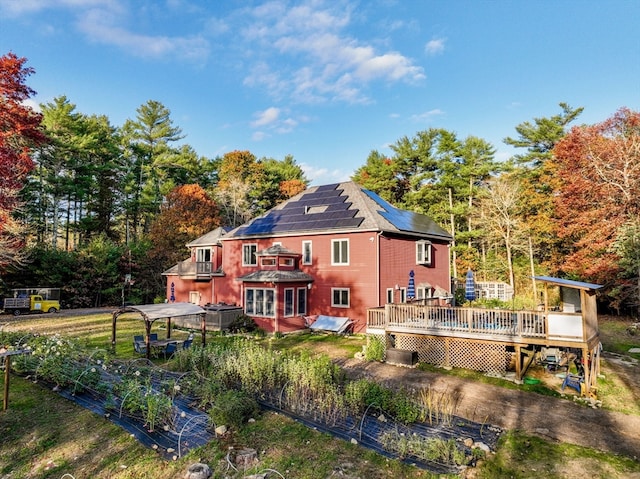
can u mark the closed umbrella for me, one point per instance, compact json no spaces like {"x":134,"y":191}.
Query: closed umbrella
{"x":470,"y":287}
{"x":411,"y":289}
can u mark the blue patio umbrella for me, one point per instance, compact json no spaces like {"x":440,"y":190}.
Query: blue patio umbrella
{"x":470,"y":287}
{"x":411,"y":289}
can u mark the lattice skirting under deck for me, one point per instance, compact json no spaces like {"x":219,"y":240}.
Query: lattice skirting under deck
{"x":455,"y":352}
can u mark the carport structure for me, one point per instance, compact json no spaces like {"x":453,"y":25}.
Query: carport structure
{"x":152,"y":312}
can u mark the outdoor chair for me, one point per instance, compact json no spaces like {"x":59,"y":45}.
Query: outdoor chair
{"x":170,"y":349}
{"x":153,"y":336}
{"x":187,"y":343}
{"x":138,"y":339}
{"x":140,"y":347}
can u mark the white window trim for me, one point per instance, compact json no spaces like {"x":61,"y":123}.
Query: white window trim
{"x":297,"y":299}
{"x":293,"y":302}
{"x":425,"y":247}
{"x":389,"y":295}
{"x":202,"y":252}
{"x":334,"y":305}
{"x":255,"y":257}
{"x":333,"y":259}
{"x":253,"y":311}
{"x":310,"y":243}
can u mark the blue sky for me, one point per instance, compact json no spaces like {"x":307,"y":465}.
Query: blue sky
{"x":330,"y":81}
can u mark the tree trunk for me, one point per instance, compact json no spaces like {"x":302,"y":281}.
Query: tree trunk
{"x":453,"y":235}
{"x":533,"y":270}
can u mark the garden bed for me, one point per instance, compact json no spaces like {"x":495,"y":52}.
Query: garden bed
{"x":175,"y":412}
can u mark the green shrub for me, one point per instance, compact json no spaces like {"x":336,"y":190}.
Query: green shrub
{"x":361,"y":394}
{"x":243,"y":324}
{"x":233,"y":408}
{"x":404,"y":408}
{"x":374,"y":350}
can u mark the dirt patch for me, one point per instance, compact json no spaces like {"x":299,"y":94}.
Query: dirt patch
{"x":565,"y":419}
{"x":552,"y":418}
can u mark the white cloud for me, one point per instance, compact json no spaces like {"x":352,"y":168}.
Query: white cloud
{"x":427,"y":115}
{"x":435,"y":46}
{"x":266,"y":117}
{"x":107,"y":22}
{"x":323,"y":176}
{"x":34,"y":105}
{"x":272,"y":120}
{"x":103,"y":26}
{"x":316,"y":58}
{"x":259,"y":136}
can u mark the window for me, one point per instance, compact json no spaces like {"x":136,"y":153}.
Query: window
{"x":423,"y":252}
{"x":268,"y":261}
{"x":203,"y":260}
{"x":306,"y":252}
{"x":203,"y":254}
{"x":340,"y":252}
{"x":403,"y":295}
{"x":288,"y":302}
{"x":302,"y":300}
{"x":286,"y":261}
{"x":423,"y":292}
{"x":389,"y":295}
{"x":249,"y":255}
{"x":259,"y":302}
{"x":340,"y":297}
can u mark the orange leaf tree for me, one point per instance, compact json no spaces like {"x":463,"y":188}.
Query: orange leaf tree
{"x":187,"y":214}
{"x":599,"y":192}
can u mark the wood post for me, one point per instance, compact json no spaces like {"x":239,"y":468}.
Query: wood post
{"x":7,"y":366}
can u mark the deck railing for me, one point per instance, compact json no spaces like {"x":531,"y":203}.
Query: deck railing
{"x":195,"y":268}
{"x":475,"y":321}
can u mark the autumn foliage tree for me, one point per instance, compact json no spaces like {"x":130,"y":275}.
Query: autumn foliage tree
{"x":19,"y":133}
{"x":599,"y":171}
{"x":187,"y":213}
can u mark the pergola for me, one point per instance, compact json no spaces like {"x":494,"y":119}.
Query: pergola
{"x":152,"y":312}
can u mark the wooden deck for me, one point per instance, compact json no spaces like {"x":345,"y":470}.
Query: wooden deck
{"x":509,"y":326}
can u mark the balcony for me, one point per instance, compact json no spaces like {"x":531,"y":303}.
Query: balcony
{"x":197,"y":269}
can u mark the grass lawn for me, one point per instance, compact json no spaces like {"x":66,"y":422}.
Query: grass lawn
{"x":46,"y":436}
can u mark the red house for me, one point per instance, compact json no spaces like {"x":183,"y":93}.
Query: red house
{"x":333,"y":250}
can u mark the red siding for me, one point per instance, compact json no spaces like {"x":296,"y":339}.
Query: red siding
{"x":398,"y":258}
{"x":366,"y":276}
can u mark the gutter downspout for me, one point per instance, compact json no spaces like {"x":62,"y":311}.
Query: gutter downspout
{"x":378,"y":234}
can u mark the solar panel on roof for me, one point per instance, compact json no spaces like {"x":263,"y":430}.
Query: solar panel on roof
{"x":324,"y":208}
{"x":405,"y":220}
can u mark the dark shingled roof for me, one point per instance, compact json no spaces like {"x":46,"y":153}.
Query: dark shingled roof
{"x":276,"y":276}
{"x":341,"y":207}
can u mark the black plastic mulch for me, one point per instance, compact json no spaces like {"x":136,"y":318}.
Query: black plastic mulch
{"x":368,"y":430}
{"x":189,"y":429}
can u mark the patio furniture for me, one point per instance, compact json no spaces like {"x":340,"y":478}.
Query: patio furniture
{"x":140,"y":347}
{"x":170,"y":349}
{"x":153,"y":336}
{"x":187,"y":343}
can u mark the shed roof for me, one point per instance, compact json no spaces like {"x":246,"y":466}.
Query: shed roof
{"x":567,"y":282}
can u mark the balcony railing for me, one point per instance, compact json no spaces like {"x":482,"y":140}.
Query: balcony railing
{"x":198,"y":268}
{"x":458,"y":321}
